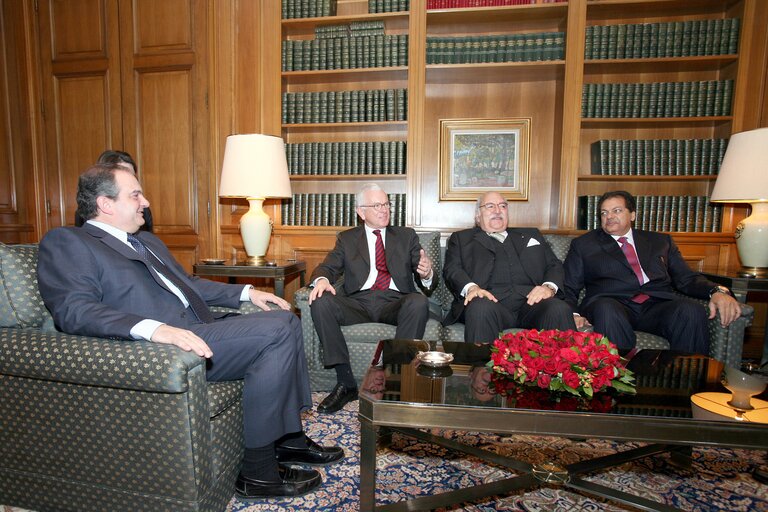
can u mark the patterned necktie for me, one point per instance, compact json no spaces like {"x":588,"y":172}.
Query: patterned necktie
{"x":196,"y":302}
{"x":498,"y":236}
{"x":383,"y":278}
{"x":631,"y":256}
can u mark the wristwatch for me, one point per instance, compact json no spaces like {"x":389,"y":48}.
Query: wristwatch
{"x":719,"y":289}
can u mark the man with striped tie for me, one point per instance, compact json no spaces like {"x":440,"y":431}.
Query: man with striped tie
{"x":631,"y":277}
{"x":379,"y":264}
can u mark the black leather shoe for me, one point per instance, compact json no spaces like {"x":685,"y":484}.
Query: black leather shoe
{"x":312,"y":455}
{"x":339,"y":397}
{"x":293,"y":482}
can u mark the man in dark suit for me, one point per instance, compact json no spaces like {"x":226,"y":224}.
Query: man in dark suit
{"x":379,"y":264}
{"x":503,"y":277}
{"x":631,"y":277}
{"x":109,"y":279}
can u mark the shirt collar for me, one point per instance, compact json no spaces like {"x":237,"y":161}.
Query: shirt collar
{"x":115,"y":232}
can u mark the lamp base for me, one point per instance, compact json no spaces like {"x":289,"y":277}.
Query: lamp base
{"x":256,"y":261}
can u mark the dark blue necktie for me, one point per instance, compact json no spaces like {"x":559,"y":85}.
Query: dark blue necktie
{"x":196,"y":302}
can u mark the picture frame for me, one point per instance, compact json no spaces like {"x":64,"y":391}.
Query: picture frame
{"x":484,"y":155}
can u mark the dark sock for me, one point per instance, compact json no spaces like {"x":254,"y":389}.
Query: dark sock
{"x":293,"y":440}
{"x":344,"y":376}
{"x":261,"y":463}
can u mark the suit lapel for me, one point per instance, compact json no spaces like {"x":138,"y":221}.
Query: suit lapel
{"x":643,"y":249}
{"x":520,"y":243}
{"x":361,"y":244}
{"x":610,"y":246}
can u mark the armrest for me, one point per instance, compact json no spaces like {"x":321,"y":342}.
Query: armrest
{"x":726,"y":344}
{"x":137,"y":365}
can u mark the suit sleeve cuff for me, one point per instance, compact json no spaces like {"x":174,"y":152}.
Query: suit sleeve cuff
{"x":145,"y":329}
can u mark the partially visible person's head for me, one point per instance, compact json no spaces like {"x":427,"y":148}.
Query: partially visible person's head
{"x":491,"y":212}
{"x":373,"y":206}
{"x":479,"y":382}
{"x":113,"y":156}
{"x":374,"y":382}
{"x":110,"y":193}
{"x":617,"y":212}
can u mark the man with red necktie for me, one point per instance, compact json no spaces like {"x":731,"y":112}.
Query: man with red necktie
{"x":631,"y":277}
{"x":379,"y":264}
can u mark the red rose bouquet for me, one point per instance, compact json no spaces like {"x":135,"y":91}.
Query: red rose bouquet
{"x":580,"y":363}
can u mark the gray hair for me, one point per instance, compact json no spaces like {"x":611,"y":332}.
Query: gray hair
{"x":360,"y":197}
{"x":97,"y":180}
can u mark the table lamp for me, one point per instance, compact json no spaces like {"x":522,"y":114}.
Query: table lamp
{"x":743,"y":178}
{"x":255,"y":168}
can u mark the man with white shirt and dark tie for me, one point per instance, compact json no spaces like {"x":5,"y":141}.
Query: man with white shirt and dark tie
{"x":631,"y":277}
{"x":382,"y":266}
{"x":503,"y":277}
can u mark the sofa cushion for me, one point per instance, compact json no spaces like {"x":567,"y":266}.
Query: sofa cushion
{"x":20,"y":301}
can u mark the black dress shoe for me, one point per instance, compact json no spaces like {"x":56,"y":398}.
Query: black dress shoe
{"x":312,"y":455}
{"x":339,"y":397}
{"x":293,"y":482}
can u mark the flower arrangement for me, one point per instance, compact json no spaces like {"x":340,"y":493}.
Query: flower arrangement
{"x":580,"y":363}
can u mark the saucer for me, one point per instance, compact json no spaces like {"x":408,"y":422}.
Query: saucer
{"x":212,"y":261}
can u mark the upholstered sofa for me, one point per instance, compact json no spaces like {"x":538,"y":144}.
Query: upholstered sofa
{"x":88,"y":424}
{"x":725,"y":343}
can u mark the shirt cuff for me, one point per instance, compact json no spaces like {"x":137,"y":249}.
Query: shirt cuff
{"x":314,"y":283}
{"x":466,"y":287}
{"x":245,"y":295}
{"x":145,"y":329}
{"x":552,"y":284}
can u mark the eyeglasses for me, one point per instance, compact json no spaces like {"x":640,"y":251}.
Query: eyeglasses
{"x":491,"y":206}
{"x":377,"y":206}
{"x":615,"y":211}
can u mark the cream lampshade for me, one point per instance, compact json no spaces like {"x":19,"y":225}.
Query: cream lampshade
{"x":743,"y":178}
{"x":255,"y":168}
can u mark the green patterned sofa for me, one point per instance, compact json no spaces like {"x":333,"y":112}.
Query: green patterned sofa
{"x":88,"y":424}
{"x":725,"y":343}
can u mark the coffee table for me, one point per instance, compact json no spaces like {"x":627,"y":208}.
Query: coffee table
{"x":400,"y":395}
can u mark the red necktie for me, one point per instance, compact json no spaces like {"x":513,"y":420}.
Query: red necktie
{"x":631,"y":256}
{"x":382,"y":278}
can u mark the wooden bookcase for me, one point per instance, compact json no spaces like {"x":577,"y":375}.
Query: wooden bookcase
{"x":547,"y":92}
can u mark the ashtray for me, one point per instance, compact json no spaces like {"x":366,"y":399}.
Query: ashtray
{"x":434,"y":359}
{"x":212,"y":261}
{"x":434,"y":372}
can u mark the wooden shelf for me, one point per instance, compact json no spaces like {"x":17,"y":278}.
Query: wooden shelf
{"x":511,"y":13}
{"x":623,"y":177}
{"x":534,"y":71}
{"x":347,"y":177}
{"x":294,"y":25}
{"x":334,"y":76}
{"x":368,"y":126}
{"x":658,"y":64}
{"x":655,"y":121}
{"x":620,"y":9}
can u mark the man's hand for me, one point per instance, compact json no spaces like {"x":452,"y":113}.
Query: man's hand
{"x":321,"y":286}
{"x":425,"y":265}
{"x":729,"y":309}
{"x":182,"y":338}
{"x":539,"y":293}
{"x":581,"y":322}
{"x":261,"y":298}
{"x":475,"y":292}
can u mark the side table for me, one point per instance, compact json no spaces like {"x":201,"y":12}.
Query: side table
{"x":741,"y":286}
{"x":283,"y":270}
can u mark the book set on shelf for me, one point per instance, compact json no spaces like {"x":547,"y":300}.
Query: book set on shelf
{"x":671,"y":39}
{"x":358,"y":106}
{"x":704,"y":98}
{"x":461,"y":4}
{"x":657,"y":157}
{"x":345,"y":158}
{"x":496,"y":48}
{"x":292,"y":9}
{"x":333,"y":210}
{"x":690,"y":214}
{"x":362,"y":44}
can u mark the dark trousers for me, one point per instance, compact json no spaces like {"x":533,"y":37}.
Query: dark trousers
{"x":484,"y":319}
{"x":266,"y":349}
{"x":681,"y":321}
{"x":408,"y":311}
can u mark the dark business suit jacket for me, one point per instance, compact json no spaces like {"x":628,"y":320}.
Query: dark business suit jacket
{"x":596,"y":261}
{"x":470,"y":256}
{"x":349,"y":258}
{"x":111,"y":289}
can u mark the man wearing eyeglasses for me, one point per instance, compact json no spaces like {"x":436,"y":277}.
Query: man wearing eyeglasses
{"x":503,"y":277}
{"x":379,"y":264}
{"x":630,"y":278}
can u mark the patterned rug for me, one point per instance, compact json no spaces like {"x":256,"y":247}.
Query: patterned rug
{"x":720,"y":479}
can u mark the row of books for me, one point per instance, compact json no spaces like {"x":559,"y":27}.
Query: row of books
{"x":375,"y":6}
{"x":657,"y":157}
{"x":345,"y":53}
{"x":671,"y":39}
{"x":333,"y":210}
{"x":308,"y":8}
{"x":496,"y":48}
{"x":691,"y":214}
{"x":460,"y":4}
{"x":352,"y":29}
{"x":657,"y":99}
{"x":374,"y":105}
{"x":684,"y":374}
{"x":346,"y":158}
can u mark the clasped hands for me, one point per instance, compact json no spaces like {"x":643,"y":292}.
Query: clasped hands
{"x":191,"y":342}
{"x":536,"y":295}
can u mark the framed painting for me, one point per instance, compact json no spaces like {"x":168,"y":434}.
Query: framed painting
{"x":484,"y":155}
